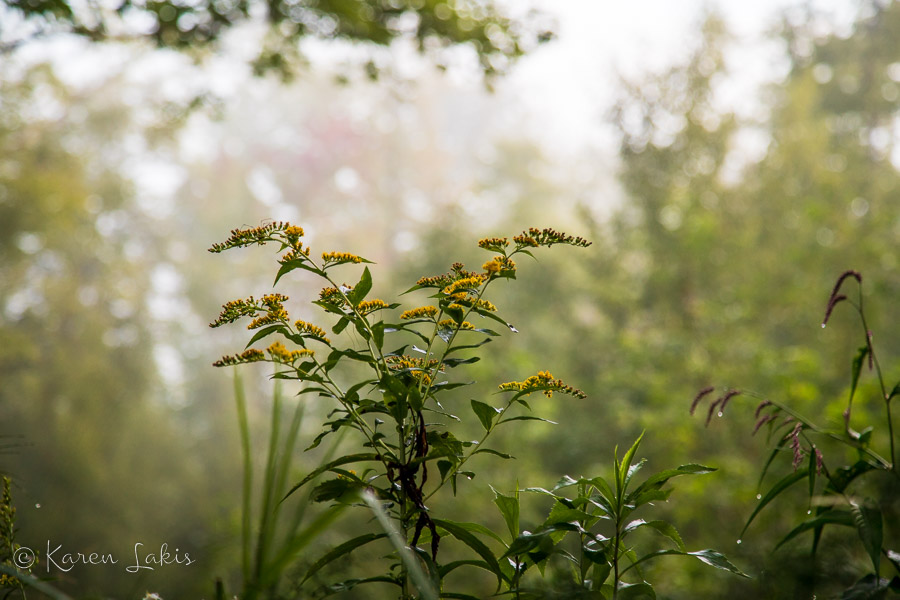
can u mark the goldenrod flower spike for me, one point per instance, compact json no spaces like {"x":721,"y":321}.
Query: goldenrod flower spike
{"x":309,"y":329}
{"x":369,"y":306}
{"x":422,"y":312}
{"x":340,"y":257}
{"x":544,"y":382}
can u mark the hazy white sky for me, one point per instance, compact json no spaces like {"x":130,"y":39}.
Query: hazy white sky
{"x":569,"y":83}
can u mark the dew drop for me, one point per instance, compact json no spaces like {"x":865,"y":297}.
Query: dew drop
{"x":37,"y":505}
{"x":759,"y":496}
{"x":512,"y":328}
{"x":720,"y":413}
{"x":823,"y":327}
{"x":740,"y":541}
{"x":809,"y":512}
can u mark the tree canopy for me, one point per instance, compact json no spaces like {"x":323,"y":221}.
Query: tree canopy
{"x":433,"y":25}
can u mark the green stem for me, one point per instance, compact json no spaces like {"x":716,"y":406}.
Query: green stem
{"x":884,"y":393}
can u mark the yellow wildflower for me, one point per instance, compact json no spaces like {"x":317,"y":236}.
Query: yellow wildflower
{"x":247,"y":356}
{"x":341,"y":257}
{"x":422,"y":312}
{"x":313,"y":330}
{"x":545,"y":382}
{"x":369,"y":306}
{"x":464,"y":284}
{"x":495,"y":244}
{"x":451,"y":324}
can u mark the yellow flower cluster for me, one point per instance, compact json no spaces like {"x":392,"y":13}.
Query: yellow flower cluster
{"x":467,"y":283}
{"x":297,"y":253}
{"x":422,"y":312}
{"x":313,"y":330}
{"x":419,"y":366}
{"x":547,"y":237}
{"x":256,"y":235}
{"x":275,"y":312}
{"x":369,"y":306}
{"x":498,"y":264}
{"x":247,"y":356}
{"x":495,"y":244}
{"x":451,"y":324}
{"x":525,"y":240}
{"x":281,"y":354}
{"x":333,"y":295}
{"x":457,"y":271}
{"x":270,"y":304}
{"x":341,"y":257}
{"x":545,"y":382}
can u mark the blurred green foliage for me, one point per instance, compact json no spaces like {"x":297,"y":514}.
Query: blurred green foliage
{"x":432,"y":25}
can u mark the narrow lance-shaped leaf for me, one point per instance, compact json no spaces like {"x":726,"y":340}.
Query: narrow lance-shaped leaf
{"x":779,"y":487}
{"x":344,"y":460}
{"x":339,"y":551}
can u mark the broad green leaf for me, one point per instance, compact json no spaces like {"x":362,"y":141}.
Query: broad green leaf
{"x":485,"y":413}
{"x":378,"y":334}
{"x":779,"y":487}
{"x":869,"y":525}
{"x":343,"y":549}
{"x":830,"y":517}
{"x":359,"y":291}
{"x":344,"y":460}
{"x":509,"y":508}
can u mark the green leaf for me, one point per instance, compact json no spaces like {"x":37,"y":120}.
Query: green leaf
{"x":494,"y":452}
{"x":844,"y":476}
{"x":830,"y":517}
{"x":334,"y":489}
{"x":623,"y":469}
{"x":710,"y":557}
{"x":894,"y":392}
{"x":509,"y":508}
{"x":779,"y":487}
{"x":344,"y":460}
{"x":663,"y":527}
{"x":263,"y":333}
{"x":635,"y":591}
{"x":856,"y":368}
{"x":378,"y":334}
{"x":656,"y":481}
{"x":341,"y":550}
{"x":461,"y":531}
{"x":296,"y":264}
{"x":485,"y":413}
{"x":526,"y":418}
{"x":871,"y":587}
{"x":869,"y":525}
{"x":359,"y":291}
